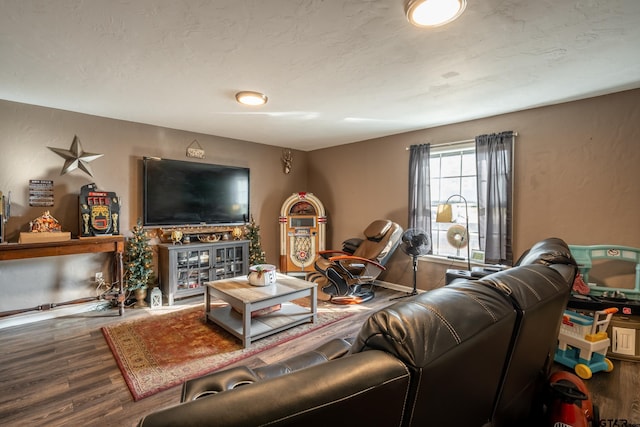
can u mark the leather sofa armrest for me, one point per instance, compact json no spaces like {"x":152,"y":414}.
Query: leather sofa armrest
{"x":330,"y":350}
{"x":231,"y":378}
{"x":370,"y":387}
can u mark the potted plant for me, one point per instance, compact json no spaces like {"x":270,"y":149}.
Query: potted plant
{"x":138,"y":262}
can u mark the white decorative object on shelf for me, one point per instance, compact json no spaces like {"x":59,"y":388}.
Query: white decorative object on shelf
{"x":262,"y":275}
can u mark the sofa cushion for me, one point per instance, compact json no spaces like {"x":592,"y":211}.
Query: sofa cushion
{"x":540,"y":294}
{"x":455,"y":341}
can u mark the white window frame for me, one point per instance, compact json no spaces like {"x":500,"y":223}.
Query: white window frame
{"x":444,"y":185}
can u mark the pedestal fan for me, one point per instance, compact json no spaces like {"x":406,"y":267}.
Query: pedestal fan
{"x":415,"y":242}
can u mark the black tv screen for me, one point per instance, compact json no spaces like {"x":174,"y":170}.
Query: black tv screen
{"x":190,"y":193}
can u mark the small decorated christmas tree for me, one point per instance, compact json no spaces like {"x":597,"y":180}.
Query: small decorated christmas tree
{"x":138,"y":258}
{"x":256,"y":255}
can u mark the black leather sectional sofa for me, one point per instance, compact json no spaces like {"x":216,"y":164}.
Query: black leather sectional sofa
{"x":473,"y":353}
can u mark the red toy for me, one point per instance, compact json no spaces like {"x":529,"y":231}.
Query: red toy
{"x":570,"y":404}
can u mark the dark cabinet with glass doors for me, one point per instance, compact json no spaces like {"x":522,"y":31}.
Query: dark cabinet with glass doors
{"x":185,"y":269}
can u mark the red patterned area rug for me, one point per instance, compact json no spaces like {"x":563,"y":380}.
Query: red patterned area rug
{"x":161,"y":351}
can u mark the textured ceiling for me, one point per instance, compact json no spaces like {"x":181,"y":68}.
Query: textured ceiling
{"x":335,"y":71}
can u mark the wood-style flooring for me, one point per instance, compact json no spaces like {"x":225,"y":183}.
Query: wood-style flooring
{"x":60,"y":372}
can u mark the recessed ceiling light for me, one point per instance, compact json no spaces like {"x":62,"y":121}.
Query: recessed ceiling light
{"x":433,"y":13}
{"x":251,"y":98}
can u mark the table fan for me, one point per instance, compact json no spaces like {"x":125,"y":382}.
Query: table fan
{"x":457,"y":237}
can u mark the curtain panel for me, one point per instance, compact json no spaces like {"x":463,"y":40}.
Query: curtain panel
{"x":419,"y":188}
{"x":494,"y":158}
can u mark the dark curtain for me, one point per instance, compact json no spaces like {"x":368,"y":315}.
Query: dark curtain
{"x":419,"y":188}
{"x":495,"y":199}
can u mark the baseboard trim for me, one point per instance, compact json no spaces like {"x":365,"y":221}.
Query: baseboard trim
{"x":69,"y":310}
{"x":37,"y":316}
{"x":396,"y":287}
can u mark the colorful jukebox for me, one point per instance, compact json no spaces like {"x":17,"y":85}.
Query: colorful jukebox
{"x":99,"y":212}
{"x":302,"y":233}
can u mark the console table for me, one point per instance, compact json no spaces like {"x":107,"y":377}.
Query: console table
{"x":114,"y":244}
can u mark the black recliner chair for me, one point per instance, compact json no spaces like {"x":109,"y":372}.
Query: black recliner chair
{"x":348,"y":277}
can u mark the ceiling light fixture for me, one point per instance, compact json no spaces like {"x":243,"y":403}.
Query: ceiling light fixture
{"x":251,"y":98}
{"x":433,"y":13}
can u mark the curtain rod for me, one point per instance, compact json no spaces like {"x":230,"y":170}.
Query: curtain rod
{"x":464,"y":141}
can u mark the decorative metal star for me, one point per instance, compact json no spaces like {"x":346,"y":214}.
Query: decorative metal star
{"x":75,"y":157}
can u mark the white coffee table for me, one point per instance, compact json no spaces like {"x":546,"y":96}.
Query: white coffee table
{"x":244,"y":299}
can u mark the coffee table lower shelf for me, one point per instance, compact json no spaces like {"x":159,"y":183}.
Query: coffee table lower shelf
{"x":288,"y":316}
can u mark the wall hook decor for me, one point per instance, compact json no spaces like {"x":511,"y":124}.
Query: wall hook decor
{"x":195,"y":150}
{"x":287,"y":160}
{"x":75,"y":157}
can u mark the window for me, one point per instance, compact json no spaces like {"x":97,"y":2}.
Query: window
{"x":453,"y":171}
{"x":438,"y":174}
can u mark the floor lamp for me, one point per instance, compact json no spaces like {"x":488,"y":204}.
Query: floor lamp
{"x":445,"y":214}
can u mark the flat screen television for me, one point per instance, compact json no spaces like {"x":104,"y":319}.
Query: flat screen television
{"x":179,"y":192}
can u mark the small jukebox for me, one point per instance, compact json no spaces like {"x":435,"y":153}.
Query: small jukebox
{"x":302,"y":233}
{"x":99,"y":212}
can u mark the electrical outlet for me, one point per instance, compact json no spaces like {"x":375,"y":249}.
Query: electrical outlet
{"x":99,"y":276}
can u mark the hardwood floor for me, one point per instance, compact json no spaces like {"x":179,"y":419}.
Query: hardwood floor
{"x":60,"y":372}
